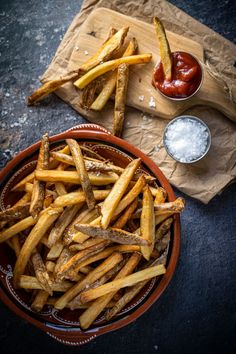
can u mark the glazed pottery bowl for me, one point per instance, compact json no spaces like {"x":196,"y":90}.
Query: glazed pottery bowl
{"x":64,"y":325}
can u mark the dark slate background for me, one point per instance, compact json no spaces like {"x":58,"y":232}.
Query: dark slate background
{"x":196,"y":314}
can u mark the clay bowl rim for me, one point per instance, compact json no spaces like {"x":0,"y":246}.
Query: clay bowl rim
{"x":60,"y":332}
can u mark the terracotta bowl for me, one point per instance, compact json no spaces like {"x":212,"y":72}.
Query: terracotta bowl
{"x":64,"y":325}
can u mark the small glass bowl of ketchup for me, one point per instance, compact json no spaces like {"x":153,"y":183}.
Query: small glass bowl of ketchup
{"x":187,"y":76}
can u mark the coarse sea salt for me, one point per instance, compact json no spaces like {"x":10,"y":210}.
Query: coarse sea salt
{"x":186,"y":139}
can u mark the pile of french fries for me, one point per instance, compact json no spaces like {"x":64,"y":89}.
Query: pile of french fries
{"x":87,"y":234}
{"x":106,"y":72}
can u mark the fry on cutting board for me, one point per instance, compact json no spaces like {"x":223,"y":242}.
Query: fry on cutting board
{"x":165,"y":51}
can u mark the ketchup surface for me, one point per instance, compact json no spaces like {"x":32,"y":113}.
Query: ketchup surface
{"x":186,"y":76}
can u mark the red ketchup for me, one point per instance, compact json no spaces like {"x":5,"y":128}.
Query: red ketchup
{"x":186,"y":76}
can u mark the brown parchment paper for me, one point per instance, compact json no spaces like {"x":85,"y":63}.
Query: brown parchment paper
{"x":206,"y":178}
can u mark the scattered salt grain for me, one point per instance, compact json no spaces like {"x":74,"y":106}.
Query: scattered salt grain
{"x":186,"y":139}
{"x":86,"y":52}
{"x":152,"y":103}
{"x":141,"y":98}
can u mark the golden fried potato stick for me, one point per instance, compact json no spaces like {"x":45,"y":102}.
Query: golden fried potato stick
{"x":160,"y":218}
{"x":72,"y":177}
{"x":105,"y":52}
{"x":79,"y":257}
{"x":40,"y":300}
{"x":163,"y":243}
{"x":43,"y":224}
{"x":82,"y":246}
{"x":50,"y":266}
{"x":41,"y":272}
{"x":122,"y":220}
{"x":176,"y":206}
{"x":163,"y":229}
{"x":164,"y":46}
{"x":21,"y":185}
{"x":64,"y":257}
{"x":15,"y":229}
{"x":82,"y":172}
{"x":89,"y":316}
{"x":147,"y":222}
{"x":74,"y":198}
{"x":91,"y":154}
{"x":59,"y":186}
{"x":131,"y":195}
{"x":97,"y":273}
{"x":110,"y":84}
{"x":29,"y":282}
{"x":55,"y":250}
{"x":160,"y":196}
{"x":86,"y":269}
{"x":86,"y":217}
{"x":111,"y":65}
{"x":62,"y":222}
{"x":118,"y":284}
{"x":38,"y":192}
{"x":111,"y":202}
{"x":112,"y":234}
{"x":80,"y":237}
{"x":17,"y":212}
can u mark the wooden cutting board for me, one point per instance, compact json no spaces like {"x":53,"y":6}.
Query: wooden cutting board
{"x":94,"y":31}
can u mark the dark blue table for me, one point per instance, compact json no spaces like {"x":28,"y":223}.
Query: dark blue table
{"x":196,"y":314}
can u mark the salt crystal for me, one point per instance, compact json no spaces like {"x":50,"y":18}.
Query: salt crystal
{"x":7,"y":94}
{"x":141,"y":98}
{"x":186,"y":139}
{"x":86,"y":52}
{"x":152,"y":103}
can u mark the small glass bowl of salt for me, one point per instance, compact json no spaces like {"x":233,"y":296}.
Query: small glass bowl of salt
{"x":187,"y":139}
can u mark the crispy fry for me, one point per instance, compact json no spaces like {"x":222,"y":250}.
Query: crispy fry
{"x":163,"y":229}
{"x":62,"y":222}
{"x":17,"y":212}
{"x":87,"y":318}
{"x":129,"y":280}
{"x":21,"y":185}
{"x":38,"y":231}
{"x":121,"y":222}
{"x":147,"y":222}
{"x":86,"y":269}
{"x":82,"y":246}
{"x":110,"y":84}
{"x":176,"y":206}
{"x":165,"y":51}
{"x":160,"y":196}
{"x":79,"y":257}
{"x":131,"y":195}
{"x":82,"y":172}
{"x":110,"y":65}
{"x":115,"y":235}
{"x":40,"y":300}
{"x":55,"y":250}
{"x":41,"y":272}
{"x":64,"y":257}
{"x":163,"y":243}
{"x":50,"y":266}
{"x":38,"y":192}
{"x":160,"y":218}
{"x":28,"y":282}
{"x":97,"y":273}
{"x":80,"y":237}
{"x":29,"y":189}
{"x":72,"y":177}
{"x":59,"y":186}
{"x":79,"y":197}
{"x":90,"y":153}
{"x":111,"y":202}
{"x":13,"y":230}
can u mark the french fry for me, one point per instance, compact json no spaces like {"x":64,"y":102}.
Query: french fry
{"x":17,"y":212}
{"x":165,"y":51}
{"x":41,"y":272}
{"x":163,"y":242}
{"x":97,"y":273}
{"x":160,"y":196}
{"x":131,"y":195}
{"x":38,"y":231}
{"x":160,"y":218}
{"x":16,"y":228}
{"x":89,"y":153}
{"x":74,"y":198}
{"x":73,"y":177}
{"x":147,"y":223}
{"x":118,"y":284}
{"x":55,"y":250}
{"x":110,"y":84}
{"x":29,"y":189}
{"x":163,"y":229}
{"x":110,"y":65}
{"x":122,"y":220}
{"x":80,"y":237}
{"x":88,"y":316}
{"x":111,"y":202}
{"x":29,"y":282}
{"x":82,"y":172}
{"x":62,"y":222}
{"x":40,"y":300}
{"x":79,"y":257}
{"x":21,"y":185}
{"x":82,"y":246}
{"x":86,"y":269}
{"x":50,"y":266}
{"x":111,"y":234}
{"x":64,"y":257}
{"x":176,"y":206}
{"x":86,"y":216}
{"x":38,"y":192}
{"x":59,"y":186}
